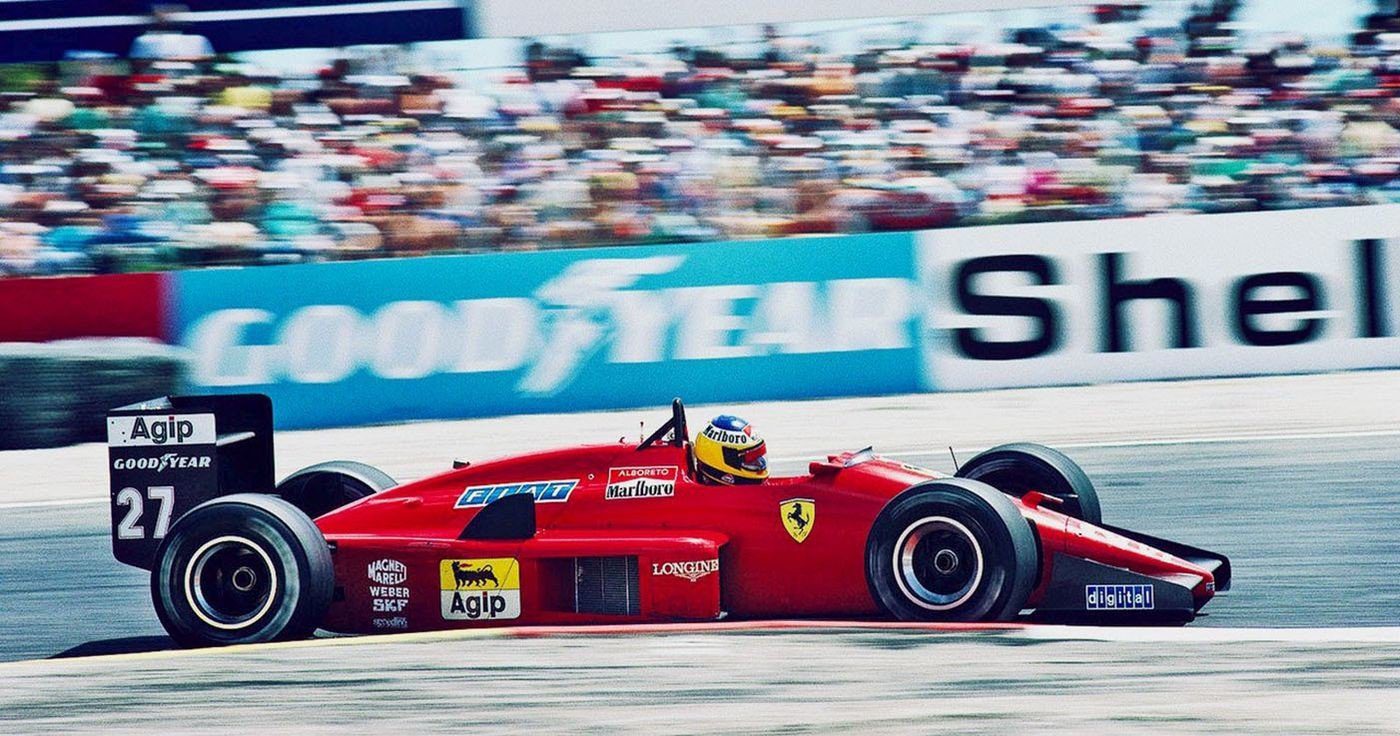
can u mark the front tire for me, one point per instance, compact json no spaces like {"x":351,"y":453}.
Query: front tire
{"x":951,"y":550}
{"x":242,"y":569}
{"x":1025,"y":466}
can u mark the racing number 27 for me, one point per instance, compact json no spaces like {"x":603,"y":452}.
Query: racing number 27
{"x":164,"y":499}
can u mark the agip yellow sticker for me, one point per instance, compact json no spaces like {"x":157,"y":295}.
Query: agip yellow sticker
{"x":480,"y":590}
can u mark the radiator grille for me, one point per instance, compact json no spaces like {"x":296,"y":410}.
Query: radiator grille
{"x":606,"y":585}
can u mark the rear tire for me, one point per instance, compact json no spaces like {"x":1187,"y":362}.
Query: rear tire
{"x":1024,"y":466}
{"x":242,"y":569}
{"x":322,"y":488}
{"x":951,"y":550}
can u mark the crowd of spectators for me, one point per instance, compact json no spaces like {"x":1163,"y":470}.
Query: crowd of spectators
{"x":167,"y":163}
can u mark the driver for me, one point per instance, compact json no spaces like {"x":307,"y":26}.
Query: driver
{"x":729,"y":451}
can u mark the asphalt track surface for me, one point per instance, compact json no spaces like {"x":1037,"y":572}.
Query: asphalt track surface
{"x":1293,"y":477}
{"x":782,"y":682}
{"x":1312,"y":527}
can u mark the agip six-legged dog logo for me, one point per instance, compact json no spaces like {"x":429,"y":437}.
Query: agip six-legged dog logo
{"x":480,"y":590}
{"x":466,"y":577}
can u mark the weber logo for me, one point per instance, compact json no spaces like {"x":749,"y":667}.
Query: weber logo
{"x":390,"y":595}
{"x":649,"y":482}
{"x":157,"y":431}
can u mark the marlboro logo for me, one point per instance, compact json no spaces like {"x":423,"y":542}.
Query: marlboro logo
{"x":647,"y":482}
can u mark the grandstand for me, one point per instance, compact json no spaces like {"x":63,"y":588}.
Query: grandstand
{"x":113,"y":165}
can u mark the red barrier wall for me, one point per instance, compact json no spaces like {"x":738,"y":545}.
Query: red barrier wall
{"x":116,"y":305}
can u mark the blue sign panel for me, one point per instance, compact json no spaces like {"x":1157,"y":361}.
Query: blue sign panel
{"x":479,"y":335}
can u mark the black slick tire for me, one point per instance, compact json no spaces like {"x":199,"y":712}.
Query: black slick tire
{"x":242,"y":569}
{"x":1024,"y":466}
{"x":951,"y":550}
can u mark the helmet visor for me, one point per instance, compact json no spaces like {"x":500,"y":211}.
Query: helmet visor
{"x":751,"y":459}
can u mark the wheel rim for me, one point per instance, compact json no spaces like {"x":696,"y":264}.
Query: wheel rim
{"x":938,"y":563}
{"x":230,"y":582}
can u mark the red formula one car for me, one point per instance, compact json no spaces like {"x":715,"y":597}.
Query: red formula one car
{"x":613,"y":533}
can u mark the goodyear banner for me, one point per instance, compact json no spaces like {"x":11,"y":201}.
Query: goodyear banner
{"x":957,"y":309}
{"x":477,"y":335}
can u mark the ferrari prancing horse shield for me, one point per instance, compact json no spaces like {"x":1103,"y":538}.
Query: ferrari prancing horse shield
{"x":798,"y":515}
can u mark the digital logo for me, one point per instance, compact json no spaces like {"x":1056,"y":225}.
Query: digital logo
{"x":544,"y":491}
{"x":480,"y":590}
{"x":798,"y":515}
{"x":1118,"y":597}
{"x":648,"y":482}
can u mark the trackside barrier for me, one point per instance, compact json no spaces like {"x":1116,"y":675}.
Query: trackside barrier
{"x":957,"y":309}
{"x":1164,"y":297}
{"x":475,"y":335}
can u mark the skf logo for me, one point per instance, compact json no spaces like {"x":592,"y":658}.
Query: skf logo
{"x":480,"y":590}
{"x":544,"y":491}
{"x":390,"y":595}
{"x":145,"y":431}
{"x":798,"y":515}
{"x":691,"y":570}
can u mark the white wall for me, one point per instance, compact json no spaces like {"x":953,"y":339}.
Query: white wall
{"x":549,"y":17}
{"x":1029,"y":305}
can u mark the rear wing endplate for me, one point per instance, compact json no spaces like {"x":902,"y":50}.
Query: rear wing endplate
{"x":168,"y":455}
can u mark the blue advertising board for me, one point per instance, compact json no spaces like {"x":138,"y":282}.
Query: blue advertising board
{"x":490,"y":334}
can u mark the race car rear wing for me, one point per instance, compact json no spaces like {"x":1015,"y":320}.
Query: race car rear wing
{"x":168,"y":455}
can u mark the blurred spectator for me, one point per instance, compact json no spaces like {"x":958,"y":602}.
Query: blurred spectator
{"x":177,"y":162}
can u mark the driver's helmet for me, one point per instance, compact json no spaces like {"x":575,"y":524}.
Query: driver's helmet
{"x":729,"y":451}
